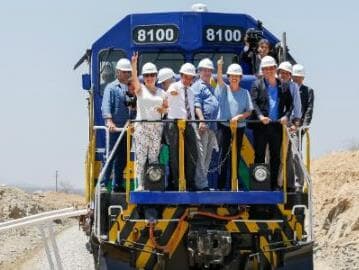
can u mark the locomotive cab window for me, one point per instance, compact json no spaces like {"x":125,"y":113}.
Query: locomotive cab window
{"x":228,"y":58}
{"x":107,"y":66}
{"x":162,"y":59}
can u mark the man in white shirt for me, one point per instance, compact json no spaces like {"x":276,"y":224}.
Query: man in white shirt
{"x":181,"y":106}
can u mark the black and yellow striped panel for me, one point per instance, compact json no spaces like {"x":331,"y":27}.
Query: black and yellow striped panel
{"x":255,"y":228}
{"x":290,"y":224}
{"x":170,"y":233}
{"x":169,"y":237}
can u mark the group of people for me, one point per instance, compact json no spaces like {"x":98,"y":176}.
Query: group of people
{"x":278,"y":97}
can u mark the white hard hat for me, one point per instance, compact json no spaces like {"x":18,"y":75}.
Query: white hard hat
{"x":149,"y":68}
{"x":124,"y":64}
{"x":188,"y":69}
{"x":199,"y":7}
{"x":234,"y":69}
{"x":268,"y":61}
{"x":164,"y":74}
{"x":205,"y":63}
{"x":298,"y":70}
{"x":286,"y":66}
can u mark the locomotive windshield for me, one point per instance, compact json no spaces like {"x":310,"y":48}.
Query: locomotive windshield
{"x":173,"y":60}
{"x":107,"y":61}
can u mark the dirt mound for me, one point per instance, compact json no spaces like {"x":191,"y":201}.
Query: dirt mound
{"x":16,"y":203}
{"x":336,"y":192}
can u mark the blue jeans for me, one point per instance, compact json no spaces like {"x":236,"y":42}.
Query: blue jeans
{"x":118,"y":163}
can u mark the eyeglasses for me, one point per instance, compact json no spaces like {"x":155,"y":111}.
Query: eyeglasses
{"x":150,"y":75}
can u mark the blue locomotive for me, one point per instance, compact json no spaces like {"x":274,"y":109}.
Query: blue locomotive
{"x":247,"y":227}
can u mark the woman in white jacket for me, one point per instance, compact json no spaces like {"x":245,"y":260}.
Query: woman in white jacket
{"x":151,"y":104}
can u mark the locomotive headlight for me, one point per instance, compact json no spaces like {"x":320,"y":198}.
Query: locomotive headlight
{"x":260,"y":173}
{"x":155,"y":177}
{"x":154,"y":173}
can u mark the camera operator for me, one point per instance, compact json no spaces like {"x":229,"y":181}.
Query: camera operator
{"x":256,"y":47}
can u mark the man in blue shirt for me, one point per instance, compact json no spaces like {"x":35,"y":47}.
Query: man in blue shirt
{"x":273,"y":105}
{"x":206,"y":108}
{"x":115,"y":114}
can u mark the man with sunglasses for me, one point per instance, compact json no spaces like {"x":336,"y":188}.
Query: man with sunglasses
{"x":115,"y":114}
{"x":273,"y":106}
{"x":181,"y":106}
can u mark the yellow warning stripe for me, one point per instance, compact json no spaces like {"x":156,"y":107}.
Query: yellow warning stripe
{"x":121,"y":224}
{"x":144,"y":256}
{"x":292,"y":221}
{"x":247,"y":151}
{"x":263,"y":242}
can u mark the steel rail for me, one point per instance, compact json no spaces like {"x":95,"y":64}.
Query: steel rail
{"x":32,"y":217}
{"x":47,"y":217}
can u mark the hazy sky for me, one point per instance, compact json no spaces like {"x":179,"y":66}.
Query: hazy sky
{"x":43,"y":113}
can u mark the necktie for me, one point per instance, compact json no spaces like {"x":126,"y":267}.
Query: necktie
{"x":188,"y":110}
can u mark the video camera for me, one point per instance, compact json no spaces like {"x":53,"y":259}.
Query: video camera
{"x":253,"y":36}
{"x":130,"y":100}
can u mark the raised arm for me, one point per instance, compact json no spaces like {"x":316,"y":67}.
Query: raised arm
{"x":136,"y":81}
{"x":220,"y":71}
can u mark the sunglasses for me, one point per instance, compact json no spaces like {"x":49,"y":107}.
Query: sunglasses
{"x":149,"y":75}
{"x":269,"y":68}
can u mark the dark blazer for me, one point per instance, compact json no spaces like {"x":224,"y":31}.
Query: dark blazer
{"x":260,"y":99}
{"x":307,"y":99}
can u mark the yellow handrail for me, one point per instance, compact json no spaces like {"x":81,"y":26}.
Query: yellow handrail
{"x":181,"y":174}
{"x":90,"y":155}
{"x":234,"y":168}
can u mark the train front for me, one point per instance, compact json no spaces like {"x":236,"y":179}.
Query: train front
{"x":246,"y":227}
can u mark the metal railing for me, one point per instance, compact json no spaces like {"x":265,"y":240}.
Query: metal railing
{"x":306,"y":172}
{"x":43,"y":221}
{"x":181,"y":124}
{"x":109,"y":158}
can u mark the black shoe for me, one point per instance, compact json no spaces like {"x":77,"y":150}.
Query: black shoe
{"x":203,"y":189}
{"x":118,"y":189}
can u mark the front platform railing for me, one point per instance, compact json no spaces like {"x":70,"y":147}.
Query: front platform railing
{"x":235,"y":194}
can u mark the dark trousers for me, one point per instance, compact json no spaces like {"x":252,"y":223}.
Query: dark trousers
{"x":190,"y":153}
{"x":225,"y":139}
{"x":118,"y":163}
{"x":271,"y":135}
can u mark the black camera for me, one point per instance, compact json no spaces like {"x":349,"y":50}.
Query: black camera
{"x":130,"y":100}
{"x":253,"y":36}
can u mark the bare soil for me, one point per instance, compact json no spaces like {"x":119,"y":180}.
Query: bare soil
{"x":17,"y":245}
{"x":336,"y":193}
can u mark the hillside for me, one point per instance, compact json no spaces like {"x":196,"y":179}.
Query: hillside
{"x":336,"y":192}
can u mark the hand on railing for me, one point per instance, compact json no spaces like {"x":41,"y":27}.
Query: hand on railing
{"x":264,"y":119}
{"x":111,"y":126}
